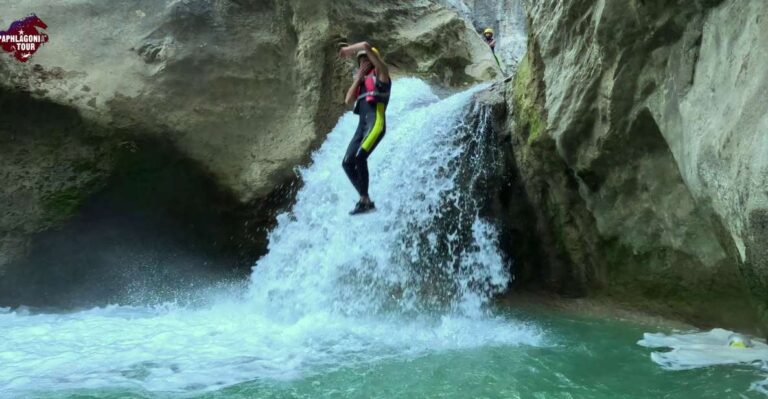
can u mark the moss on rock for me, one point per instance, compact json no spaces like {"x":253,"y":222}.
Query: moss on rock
{"x":59,"y":206}
{"x":528,"y":113}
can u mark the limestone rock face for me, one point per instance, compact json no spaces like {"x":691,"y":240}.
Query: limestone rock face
{"x":642,"y":127}
{"x":246,"y":88}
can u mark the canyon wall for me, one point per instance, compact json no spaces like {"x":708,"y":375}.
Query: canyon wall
{"x":639,"y":131}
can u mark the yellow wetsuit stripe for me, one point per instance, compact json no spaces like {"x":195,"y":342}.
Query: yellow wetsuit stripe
{"x":378,"y":126}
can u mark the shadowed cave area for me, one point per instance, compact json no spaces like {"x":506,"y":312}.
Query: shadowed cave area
{"x":156,"y":228}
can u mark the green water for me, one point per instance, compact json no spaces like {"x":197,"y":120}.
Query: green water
{"x":584,"y":357}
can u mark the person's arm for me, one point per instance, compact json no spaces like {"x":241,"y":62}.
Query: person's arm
{"x":352,"y":91}
{"x":492,"y":43}
{"x":382,"y":70}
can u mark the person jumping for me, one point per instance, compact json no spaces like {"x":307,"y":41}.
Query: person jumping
{"x":369,"y":93}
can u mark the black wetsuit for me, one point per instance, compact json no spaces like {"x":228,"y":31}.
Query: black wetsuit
{"x":370,"y":131}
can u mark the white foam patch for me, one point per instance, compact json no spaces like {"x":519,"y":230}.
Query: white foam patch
{"x":704,"y":349}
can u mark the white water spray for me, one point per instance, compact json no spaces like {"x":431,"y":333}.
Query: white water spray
{"x":333,"y":291}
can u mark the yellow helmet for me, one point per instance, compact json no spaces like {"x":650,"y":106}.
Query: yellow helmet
{"x":488,"y":30}
{"x":739,"y":341}
{"x":362,"y":52}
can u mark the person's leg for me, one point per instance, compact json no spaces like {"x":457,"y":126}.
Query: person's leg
{"x":369,"y":143}
{"x":361,"y":166}
{"x":349,"y":163}
{"x":360,"y":171}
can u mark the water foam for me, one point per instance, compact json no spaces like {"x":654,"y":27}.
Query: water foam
{"x":704,"y":349}
{"x":333,"y":291}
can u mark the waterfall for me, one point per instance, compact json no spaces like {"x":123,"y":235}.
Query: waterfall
{"x":426,"y":246}
{"x":334,"y":290}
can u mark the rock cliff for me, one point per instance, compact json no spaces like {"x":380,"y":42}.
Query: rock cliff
{"x":639,"y":130}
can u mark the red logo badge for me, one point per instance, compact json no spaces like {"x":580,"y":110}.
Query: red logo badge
{"x":23,"y":38}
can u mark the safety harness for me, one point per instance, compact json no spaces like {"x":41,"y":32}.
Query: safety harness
{"x":372,"y":93}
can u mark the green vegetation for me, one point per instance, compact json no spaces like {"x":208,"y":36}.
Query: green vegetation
{"x":61,"y":205}
{"x":524,"y":94}
{"x":63,"y":202}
